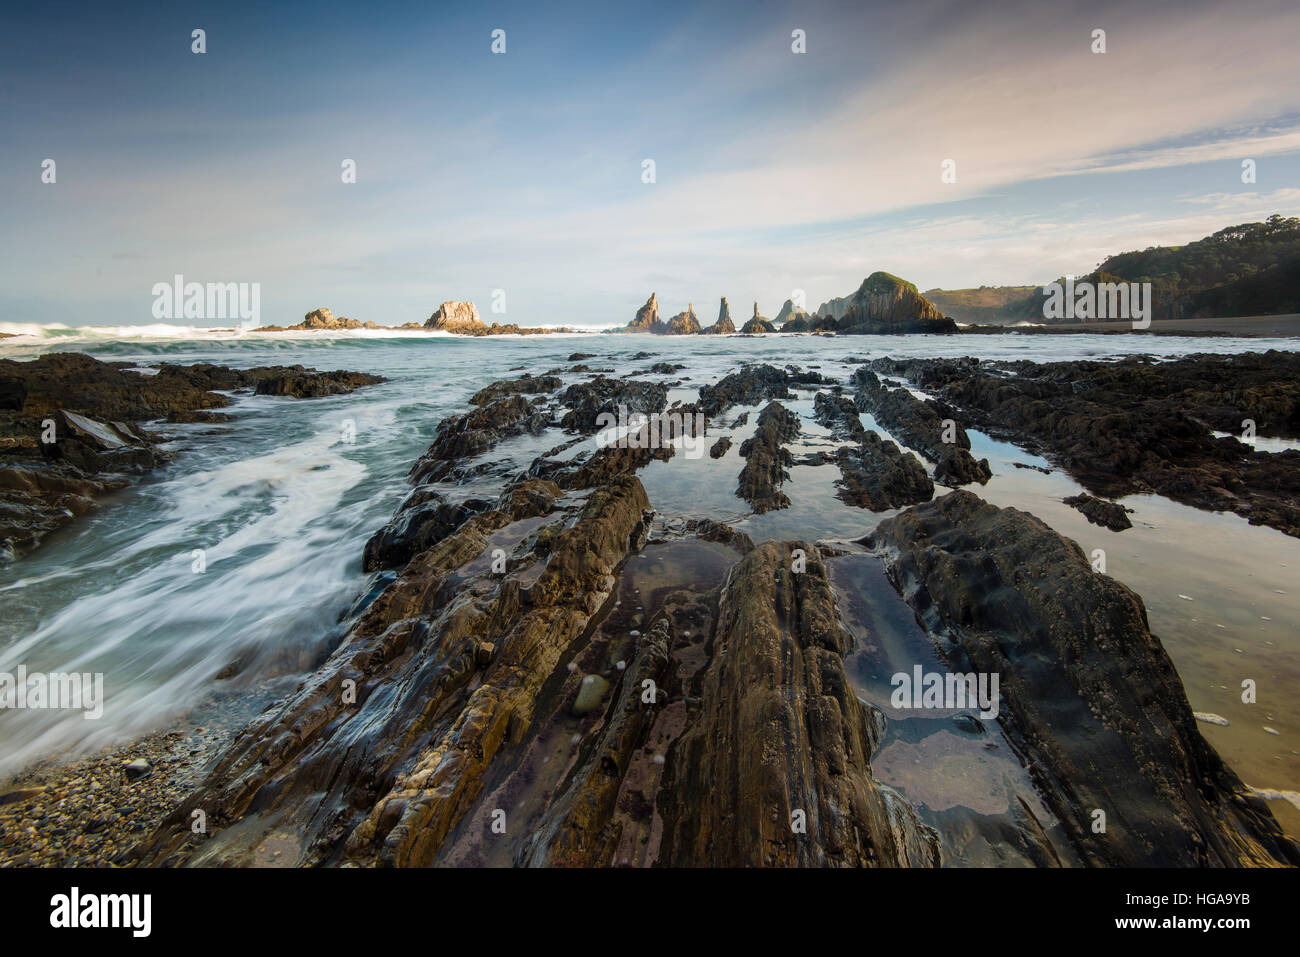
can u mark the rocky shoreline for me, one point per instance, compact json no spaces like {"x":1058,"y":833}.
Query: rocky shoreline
{"x":555,"y":675}
{"x":71,"y":432}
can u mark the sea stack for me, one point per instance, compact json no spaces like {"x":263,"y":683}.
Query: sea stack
{"x":757,"y":325}
{"x":684,"y":323}
{"x":724,"y":326}
{"x":460,"y":318}
{"x":790,"y":311}
{"x":647,"y":317}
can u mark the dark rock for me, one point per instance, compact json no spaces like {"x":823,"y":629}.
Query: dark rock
{"x":524,"y":385}
{"x":1143,"y":426}
{"x":424,"y":520}
{"x":921,"y":426}
{"x":1110,"y":515}
{"x":1087,"y":692}
{"x":752,"y":385}
{"x":878,"y":475}
{"x":587,"y":401}
{"x":775,"y":686}
{"x":309,"y":384}
{"x":766,"y":459}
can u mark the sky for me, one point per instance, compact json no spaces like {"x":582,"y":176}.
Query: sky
{"x":522,"y":171}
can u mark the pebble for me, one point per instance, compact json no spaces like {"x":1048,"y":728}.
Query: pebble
{"x":590,"y":692}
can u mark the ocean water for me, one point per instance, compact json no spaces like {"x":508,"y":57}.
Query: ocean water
{"x":281,"y":501}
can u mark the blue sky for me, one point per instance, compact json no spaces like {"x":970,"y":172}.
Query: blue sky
{"x":522,"y":171}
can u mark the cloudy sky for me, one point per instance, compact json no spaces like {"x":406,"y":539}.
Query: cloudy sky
{"x":522,"y":171}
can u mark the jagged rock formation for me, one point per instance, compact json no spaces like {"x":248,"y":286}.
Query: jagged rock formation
{"x":462,"y":319}
{"x":757,"y":325}
{"x":683,"y":324}
{"x":882,"y":304}
{"x":462,"y":436}
{"x":647,"y":318}
{"x":588,"y":401}
{"x":775,"y":687}
{"x":1087,"y":691}
{"x":527,"y":384}
{"x":752,"y":385}
{"x":517,"y":689}
{"x":724,"y":326}
{"x":454,"y":684}
{"x":766,"y":459}
{"x":878,"y":475}
{"x":790,"y":311}
{"x":875,"y":473}
{"x":922,"y":426}
{"x":1135,"y":425}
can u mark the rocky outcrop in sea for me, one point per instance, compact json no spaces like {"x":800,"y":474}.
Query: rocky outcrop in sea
{"x":73,"y":428}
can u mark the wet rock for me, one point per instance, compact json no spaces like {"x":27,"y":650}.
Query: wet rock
{"x":766,"y":459}
{"x":752,"y":385}
{"x":524,"y":385}
{"x":588,"y":401}
{"x":711,"y":531}
{"x":423,"y":521}
{"x":839,"y":414}
{"x":460,"y":436}
{"x":1142,"y":425}
{"x":878,"y":475}
{"x":1110,"y":515}
{"x":384,"y":778}
{"x":137,"y":768}
{"x":774,"y":687}
{"x":591,"y":690}
{"x":90,"y":410}
{"x":921,"y":425}
{"x":308,"y":384}
{"x":1086,"y":691}
{"x":968,"y":723}
{"x":13,"y":393}
{"x":719,"y":448}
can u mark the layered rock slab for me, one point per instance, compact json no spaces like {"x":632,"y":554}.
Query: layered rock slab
{"x":1087,"y":690}
{"x":779,"y":731}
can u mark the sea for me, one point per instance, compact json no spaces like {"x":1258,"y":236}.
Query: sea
{"x":279,"y":503}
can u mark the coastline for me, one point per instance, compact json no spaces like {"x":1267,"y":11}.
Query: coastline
{"x":528,"y":407}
